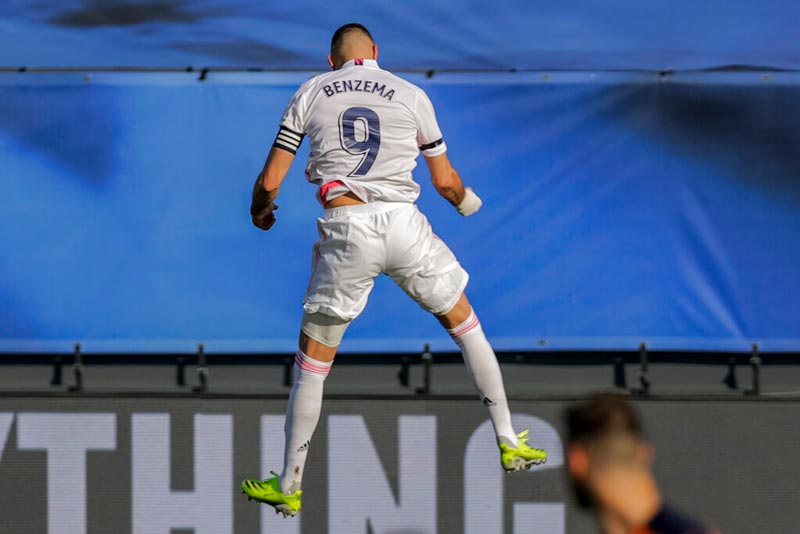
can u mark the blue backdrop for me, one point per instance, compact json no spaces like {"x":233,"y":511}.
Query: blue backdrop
{"x":523,"y":34}
{"x":619,"y":208}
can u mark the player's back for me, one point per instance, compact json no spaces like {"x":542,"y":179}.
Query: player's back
{"x":366,"y":127}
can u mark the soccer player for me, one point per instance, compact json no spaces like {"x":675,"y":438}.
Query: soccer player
{"x":609,"y":465}
{"x":367,"y":127}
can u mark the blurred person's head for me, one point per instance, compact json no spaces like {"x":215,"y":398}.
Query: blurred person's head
{"x":609,"y":462}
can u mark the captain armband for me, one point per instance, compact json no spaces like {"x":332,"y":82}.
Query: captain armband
{"x":433,"y":149}
{"x":288,"y":140}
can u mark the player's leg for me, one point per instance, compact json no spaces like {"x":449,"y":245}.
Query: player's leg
{"x":320,"y":336}
{"x":428,"y":271}
{"x":464,"y":327}
{"x":344,"y":266}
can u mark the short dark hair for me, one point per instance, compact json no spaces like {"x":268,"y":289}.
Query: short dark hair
{"x":339,"y":34}
{"x":602,"y":416}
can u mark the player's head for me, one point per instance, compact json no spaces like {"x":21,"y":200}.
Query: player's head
{"x":351,"y":41}
{"x":603,"y":434}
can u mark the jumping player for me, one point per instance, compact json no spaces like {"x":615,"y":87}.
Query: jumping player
{"x":367,"y":127}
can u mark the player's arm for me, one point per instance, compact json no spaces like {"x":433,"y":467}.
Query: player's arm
{"x":267,"y":186}
{"x":448,"y":183}
{"x":444,"y":177}
{"x":287,"y":141}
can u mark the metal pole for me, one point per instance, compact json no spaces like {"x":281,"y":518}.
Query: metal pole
{"x":755,"y":367}
{"x":202,"y":370}
{"x":77,"y":369}
{"x":427,"y":365}
{"x":644,"y":381}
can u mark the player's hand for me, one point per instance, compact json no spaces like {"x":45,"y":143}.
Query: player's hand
{"x":470,"y":203}
{"x":266,"y":218}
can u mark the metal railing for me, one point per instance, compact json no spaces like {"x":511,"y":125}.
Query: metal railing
{"x":68,"y":371}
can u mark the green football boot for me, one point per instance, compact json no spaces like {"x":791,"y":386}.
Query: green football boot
{"x":269,"y":492}
{"x":520,"y":457}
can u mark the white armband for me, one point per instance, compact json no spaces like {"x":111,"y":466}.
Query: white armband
{"x":470,"y":204}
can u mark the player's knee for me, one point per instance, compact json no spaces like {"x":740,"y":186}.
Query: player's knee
{"x":457,"y":314}
{"x":323,"y":328}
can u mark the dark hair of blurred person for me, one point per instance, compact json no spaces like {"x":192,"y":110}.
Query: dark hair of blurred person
{"x":609,"y":463}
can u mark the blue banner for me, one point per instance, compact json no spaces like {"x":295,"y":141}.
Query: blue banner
{"x":618,"y":208}
{"x":413,"y":34}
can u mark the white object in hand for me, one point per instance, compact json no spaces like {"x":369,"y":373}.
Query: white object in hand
{"x":470,"y":204}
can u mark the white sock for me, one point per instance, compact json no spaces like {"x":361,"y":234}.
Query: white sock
{"x":482,"y":365}
{"x":302,"y":416}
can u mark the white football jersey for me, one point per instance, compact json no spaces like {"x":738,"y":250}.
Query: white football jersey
{"x":366,"y":127}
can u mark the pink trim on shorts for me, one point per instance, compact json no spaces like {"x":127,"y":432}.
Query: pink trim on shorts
{"x":471,"y":325}
{"x":306,"y":364}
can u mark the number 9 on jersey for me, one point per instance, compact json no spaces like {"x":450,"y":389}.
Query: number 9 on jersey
{"x":360,"y":135}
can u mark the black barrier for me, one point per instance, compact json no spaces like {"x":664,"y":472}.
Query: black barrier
{"x":95,"y":464}
{"x":415,"y":370}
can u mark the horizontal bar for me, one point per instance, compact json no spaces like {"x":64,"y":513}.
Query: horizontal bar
{"x":538,"y":357}
{"x":418,"y":70}
{"x":95,"y":394}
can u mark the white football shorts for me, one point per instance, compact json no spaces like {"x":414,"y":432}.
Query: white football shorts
{"x":357,"y":243}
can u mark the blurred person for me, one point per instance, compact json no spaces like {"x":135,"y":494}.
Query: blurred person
{"x":609,"y":465}
{"x":367,"y":127}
